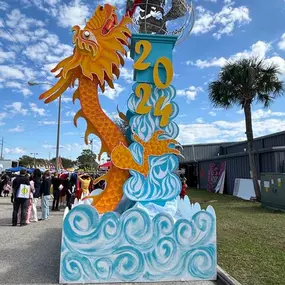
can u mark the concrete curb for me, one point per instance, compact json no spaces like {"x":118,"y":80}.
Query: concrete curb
{"x":223,"y":278}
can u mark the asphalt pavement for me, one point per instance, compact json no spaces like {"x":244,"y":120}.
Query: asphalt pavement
{"x":31,"y":254}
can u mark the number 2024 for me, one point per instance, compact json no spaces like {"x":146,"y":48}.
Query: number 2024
{"x":145,"y":89}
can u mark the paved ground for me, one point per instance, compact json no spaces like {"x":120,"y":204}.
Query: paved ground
{"x":31,"y":254}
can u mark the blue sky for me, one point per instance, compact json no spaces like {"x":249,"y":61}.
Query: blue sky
{"x":36,"y":34}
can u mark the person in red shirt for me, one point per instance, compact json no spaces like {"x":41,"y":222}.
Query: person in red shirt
{"x":184,"y":187}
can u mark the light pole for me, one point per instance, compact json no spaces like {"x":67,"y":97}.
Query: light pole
{"x":34,"y":153}
{"x":91,"y":144}
{"x":31,"y":83}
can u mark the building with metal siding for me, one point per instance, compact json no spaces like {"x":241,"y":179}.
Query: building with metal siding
{"x":201,"y":151}
{"x":269,"y":157}
{"x":194,"y":153}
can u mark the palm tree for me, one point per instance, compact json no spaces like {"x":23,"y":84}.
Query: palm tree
{"x":241,"y":83}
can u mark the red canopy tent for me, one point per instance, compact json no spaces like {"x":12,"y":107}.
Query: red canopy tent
{"x":106,"y":164}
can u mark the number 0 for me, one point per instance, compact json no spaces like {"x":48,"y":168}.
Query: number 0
{"x":168,"y":69}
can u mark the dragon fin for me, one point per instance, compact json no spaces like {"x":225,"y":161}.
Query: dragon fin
{"x":78,"y":115}
{"x":76,"y":95}
{"x":122,"y":116}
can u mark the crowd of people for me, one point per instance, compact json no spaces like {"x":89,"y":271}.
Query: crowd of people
{"x":27,"y":189}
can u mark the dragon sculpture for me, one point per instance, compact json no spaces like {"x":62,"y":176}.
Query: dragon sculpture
{"x":98,"y":53}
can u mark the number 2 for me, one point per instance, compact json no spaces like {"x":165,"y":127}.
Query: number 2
{"x":146,"y":92}
{"x":146,"y":48}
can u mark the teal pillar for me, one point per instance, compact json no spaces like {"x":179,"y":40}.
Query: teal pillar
{"x":149,"y":115}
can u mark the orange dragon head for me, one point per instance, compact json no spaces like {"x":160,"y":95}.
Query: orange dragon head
{"x":98,"y":52}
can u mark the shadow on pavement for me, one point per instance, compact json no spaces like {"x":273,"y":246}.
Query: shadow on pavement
{"x":6,"y":222}
{"x":32,"y":257}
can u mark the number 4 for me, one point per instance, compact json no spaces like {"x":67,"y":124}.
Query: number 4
{"x":164,"y":113}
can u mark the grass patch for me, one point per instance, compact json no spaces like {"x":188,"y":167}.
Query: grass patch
{"x":251,"y":239}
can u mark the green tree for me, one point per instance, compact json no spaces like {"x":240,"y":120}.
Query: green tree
{"x":87,"y":160}
{"x":66,"y":163}
{"x":241,"y":83}
{"x":26,"y":161}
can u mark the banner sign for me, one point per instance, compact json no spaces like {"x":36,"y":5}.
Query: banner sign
{"x":216,"y":177}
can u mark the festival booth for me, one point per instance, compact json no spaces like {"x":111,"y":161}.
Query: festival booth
{"x":137,"y":229}
{"x":15,"y":169}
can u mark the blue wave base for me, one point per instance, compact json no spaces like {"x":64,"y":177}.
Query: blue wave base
{"x":135,"y":248}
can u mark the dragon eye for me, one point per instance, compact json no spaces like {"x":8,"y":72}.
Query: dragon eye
{"x":86,"y":34}
{"x":101,"y":8}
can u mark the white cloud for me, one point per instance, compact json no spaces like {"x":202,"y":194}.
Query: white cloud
{"x":66,"y":99}
{"x":71,"y":134}
{"x":48,"y":122}
{"x":221,"y":131}
{"x":128,"y":58}
{"x":204,"y":22}
{"x":36,"y":110}
{"x":26,"y":92}
{"x":113,"y":2}
{"x":17,"y":129}
{"x":190,"y":93}
{"x":213,"y":114}
{"x":17,"y":108}
{"x":259,"y":49}
{"x":224,"y":21}
{"x":280,"y":62}
{"x":262,"y":114}
{"x":4,"y":6}
{"x":229,"y":17}
{"x":281,"y":44}
{"x":113,"y":93}
{"x":42,"y":47}
{"x":19,"y":20}
{"x":13,"y":84}
{"x":6,"y":55}
{"x":37,"y":51}
{"x":200,"y":120}
{"x":53,"y":122}
{"x":18,"y":87}
{"x":217,"y":62}
{"x":73,"y":146}
{"x":49,"y":6}
{"x":3,"y":115}
{"x":126,"y":74}
{"x":229,"y":2}
{"x":72,"y":14}
{"x":70,"y":114}
{"x":16,"y":150}
{"x":69,"y":147}
{"x":8,"y":72}
{"x":48,"y":146}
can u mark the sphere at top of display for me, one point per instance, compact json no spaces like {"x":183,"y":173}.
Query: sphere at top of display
{"x":165,"y":17}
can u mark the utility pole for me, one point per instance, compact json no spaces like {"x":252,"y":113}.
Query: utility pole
{"x":2,"y":147}
{"x":30,"y":83}
{"x":92,"y":162}
{"x":34,"y":153}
